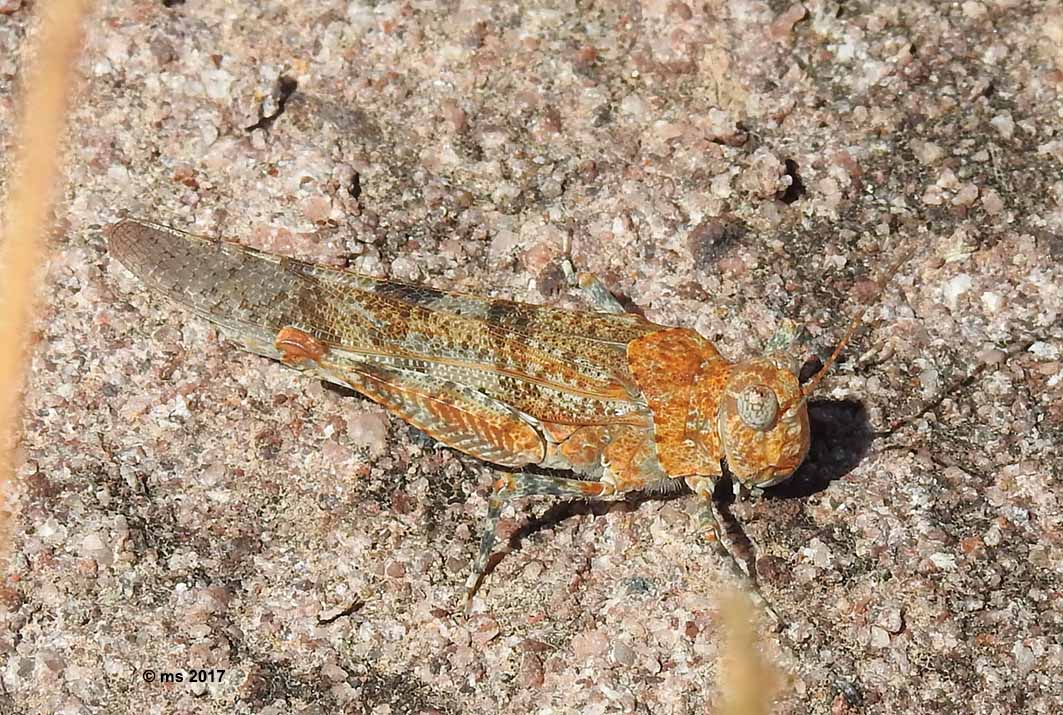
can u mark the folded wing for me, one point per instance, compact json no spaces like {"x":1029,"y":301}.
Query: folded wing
{"x":478,"y":375}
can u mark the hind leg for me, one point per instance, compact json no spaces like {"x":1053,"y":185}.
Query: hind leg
{"x":525,"y":484}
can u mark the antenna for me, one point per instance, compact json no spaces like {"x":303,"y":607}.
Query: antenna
{"x":880,"y":287}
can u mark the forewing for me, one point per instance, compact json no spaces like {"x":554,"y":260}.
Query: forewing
{"x":543,"y":364}
{"x":248,"y":294}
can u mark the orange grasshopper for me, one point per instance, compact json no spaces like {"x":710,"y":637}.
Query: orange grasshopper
{"x":624,"y":403}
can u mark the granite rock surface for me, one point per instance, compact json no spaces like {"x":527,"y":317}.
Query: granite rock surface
{"x":724,"y":166}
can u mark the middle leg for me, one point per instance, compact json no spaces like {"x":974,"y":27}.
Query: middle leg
{"x":592,"y":288}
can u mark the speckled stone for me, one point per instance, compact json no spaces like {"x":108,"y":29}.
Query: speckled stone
{"x":722,"y":165}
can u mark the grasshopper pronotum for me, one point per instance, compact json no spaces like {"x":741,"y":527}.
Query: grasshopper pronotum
{"x":622,"y":402}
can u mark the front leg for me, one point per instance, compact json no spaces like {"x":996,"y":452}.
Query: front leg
{"x":708,"y":524}
{"x":727,"y":538}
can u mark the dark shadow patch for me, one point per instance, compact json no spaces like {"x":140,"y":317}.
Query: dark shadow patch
{"x":710,"y":239}
{"x":559,"y":511}
{"x":341,"y":390}
{"x":841,"y":438}
{"x":849,"y":690}
{"x":552,"y":279}
{"x":270,"y":680}
{"x":448,"y":487}
{"x":507,"y":315}
{"x":1054,"y":241}
{"x":403,"y":692}
{"x":282,"y":91}
{"x":796,"y":189}
{"x":407,"y":293}
{"x":628,"y":304}
{"x":811,"y":366}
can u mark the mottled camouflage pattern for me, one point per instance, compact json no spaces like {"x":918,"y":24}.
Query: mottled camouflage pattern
{"x":622,"y":402}
{"x":612,"y":397}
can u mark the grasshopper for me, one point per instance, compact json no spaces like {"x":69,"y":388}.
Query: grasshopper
{"x":625,"y":404}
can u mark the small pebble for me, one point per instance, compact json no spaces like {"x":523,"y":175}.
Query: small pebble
{"x":368,"y":430}
{"x":590,"y":644}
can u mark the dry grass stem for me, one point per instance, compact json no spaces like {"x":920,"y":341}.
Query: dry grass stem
{"x":32,"y":185}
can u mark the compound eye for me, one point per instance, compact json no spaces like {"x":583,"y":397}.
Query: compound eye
{"x":758,"y":406}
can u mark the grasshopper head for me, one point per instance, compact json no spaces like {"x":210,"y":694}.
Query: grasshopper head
{"x":763,"y":417}
{"x":763,"y":422}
